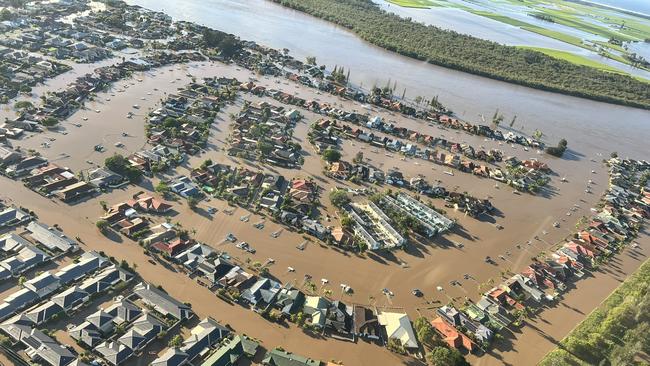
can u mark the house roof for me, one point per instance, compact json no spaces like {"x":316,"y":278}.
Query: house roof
{"x":43,"y":312}
{"x":40,"y":345}
{"x":171,"y":357}
{"x":114,"y":352}
{"x":450,"y":335}
{"x":278,"y":357}
{"x":50,"y":237}
{"x":161,"y":301}
{"x":207,"y":333}
{"x":70,"y":297}
{"x":123,"y":311}
{"x":398,"y":326}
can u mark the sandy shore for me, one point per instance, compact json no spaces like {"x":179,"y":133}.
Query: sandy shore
{"x":422,"y":265}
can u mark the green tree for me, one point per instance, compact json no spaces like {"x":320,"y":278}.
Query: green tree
{"x":424,"y":331}
{"x":339,"y":198}
{"x":175,"y":342}
{"x":443,"y":356}
{"x":50,"y":122}
{"x":264,"y":147}
{"x":162,"y":188}
{"x":331,"y":155}
{"x":23,"y":104}
{"x":192,"y":202}
{"x":102,"y":225}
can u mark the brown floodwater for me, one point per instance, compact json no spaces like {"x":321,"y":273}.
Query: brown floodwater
{"x":423,"y":265}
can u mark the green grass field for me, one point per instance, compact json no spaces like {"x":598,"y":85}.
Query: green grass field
{"x":532,"y":28}
{"x":576,"y":59}
{"x":570,"y":15}
{"x":420,"y":4}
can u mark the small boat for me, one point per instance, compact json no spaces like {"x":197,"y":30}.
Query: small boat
{"x":449,"y":172}
{"x":564,"y":179}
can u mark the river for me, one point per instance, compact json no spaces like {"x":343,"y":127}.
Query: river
{"x":589,"y":126}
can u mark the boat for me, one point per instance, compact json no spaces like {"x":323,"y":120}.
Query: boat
{"x":449,"y":172}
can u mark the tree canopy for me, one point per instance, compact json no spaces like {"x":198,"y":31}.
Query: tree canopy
{"x":331,"y":155}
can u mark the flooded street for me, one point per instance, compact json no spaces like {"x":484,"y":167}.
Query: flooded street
{"x":423,"y":264}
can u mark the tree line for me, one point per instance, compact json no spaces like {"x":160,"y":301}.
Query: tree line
{"x":477,"y":56}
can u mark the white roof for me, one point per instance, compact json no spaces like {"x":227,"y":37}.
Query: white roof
{"x":398,"y":326}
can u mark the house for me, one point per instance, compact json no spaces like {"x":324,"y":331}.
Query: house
{"x":302,"y":190}
{"x":315,"y":228}
{"x":316,"y":307}
{"x":12,"y":216}
{"x":278,"y":357}
{"x":183,"y":186}
{"x":341,"y":237}
{"x":105,"y":280}
{"x":214,"y":270}
{"x":365,"y":323}
{"x":40,"y":347}
{"x":20,"y":299}
{"x":398,"y":327}
{"x":228,"y":353}
{"x":86,"y":333}
{"x":172,"y":248}
{"x":195,"y":255}
{"x":148,"y":203}
{"x":451,"y":335}
{"x":339,"y":318}
{"x":102,"y":320}
{"x":71,"y":298}
{"x":43,"y":284}
{"x":51,"y":237}
{"x":114,"y":352}
{"x":123,"y":311}
{"x":87,"y":263}
{"x":101,"y":177}
{"x":26,"y":165}
{"x":262,"y":293}
{"x":236,"y":278}
{"x":43,"y":312}
{"x":289,"y":301}
{"x":27,"y":258}
{"x":171,"y":357}
{"x":76,"y":191}
{"x":162,"y":302}
{"x":9,"y":157}
{"x":142,"y":332}
{"x":132,"y":227}
{"x":202,"y":337}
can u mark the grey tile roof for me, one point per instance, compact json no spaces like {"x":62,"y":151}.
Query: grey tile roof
{"x":51,"y":237}
{"x":114,"y":352}
{"x":162,"y":302}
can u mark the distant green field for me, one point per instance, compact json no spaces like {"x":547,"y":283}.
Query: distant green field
{"x":576,"y":59}
{"x":420,"y":4}
{"x":592,"y":20}
{"x":532,"y":28}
